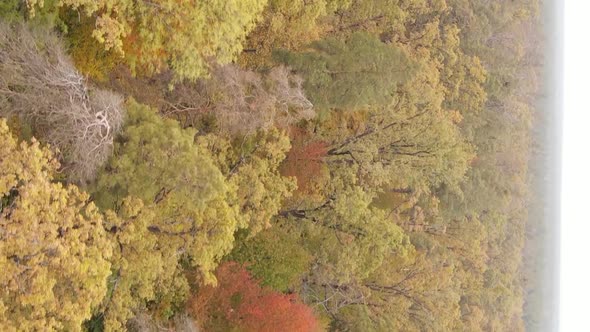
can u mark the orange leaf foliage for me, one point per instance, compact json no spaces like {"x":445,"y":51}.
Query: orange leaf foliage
{"x":305,"y":159}
{"x":239,"y":301}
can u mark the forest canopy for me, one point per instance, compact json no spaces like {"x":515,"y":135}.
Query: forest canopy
{"x":266,"y":165}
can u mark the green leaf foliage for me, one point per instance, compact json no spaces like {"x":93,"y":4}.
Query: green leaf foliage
{"x":157,"y":161}
{"x":274,"y":256}
{"x":358,"y":72}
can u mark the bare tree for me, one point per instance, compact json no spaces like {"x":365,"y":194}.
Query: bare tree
{"x":242,"y":101}
{"x":40,"y":85}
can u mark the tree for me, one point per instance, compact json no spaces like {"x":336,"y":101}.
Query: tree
{"x":181,"y":35}
{"x":356,"y":73}
{"x":54,"y":251}
{"x":411,"y":292}
{"x":157,"y":161}
{"x":413,"y":146}
{"x":251,"y":166}
{"x":306,"y":163}
{"x":429,"y":33}
{"x":141,"y":269}
{"x":241,"y":101}
{"x":40,"y":85}
{"x":347,"y":236}
{"x":287,"y":24}
{"x":88,"y":54}
{"x":274,"y":256}
{"x":417,"y":292}
{"x":239,"y":302}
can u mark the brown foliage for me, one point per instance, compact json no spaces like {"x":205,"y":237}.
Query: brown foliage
{"x":145,"y":90}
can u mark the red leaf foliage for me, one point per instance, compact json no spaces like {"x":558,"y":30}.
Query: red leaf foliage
{"x":238,"y":301}
{"x":305,"y":159}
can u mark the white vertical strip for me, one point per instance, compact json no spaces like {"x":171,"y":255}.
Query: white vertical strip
{"x":575,"y":213}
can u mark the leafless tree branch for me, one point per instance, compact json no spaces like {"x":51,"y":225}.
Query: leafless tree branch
{"x":40,"y":85}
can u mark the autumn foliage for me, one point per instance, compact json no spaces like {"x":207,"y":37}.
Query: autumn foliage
{"x":239,"y":301}
{"x":273,"y":165}
{"x":305,"y":159}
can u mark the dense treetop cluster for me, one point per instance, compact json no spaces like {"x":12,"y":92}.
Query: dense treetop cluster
{"x":265,"y":165}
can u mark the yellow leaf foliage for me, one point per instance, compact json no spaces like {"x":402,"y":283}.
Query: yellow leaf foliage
{"x":181,"y":34}
{"x":54,"y":255}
